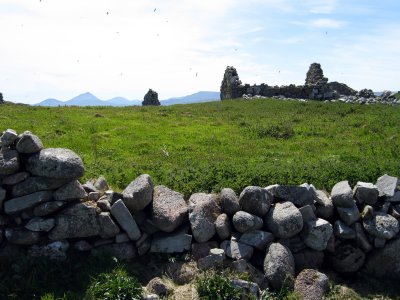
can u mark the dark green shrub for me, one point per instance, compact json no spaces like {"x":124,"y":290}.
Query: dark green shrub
{"x":117,"y":285}
{"x":216,"y":286}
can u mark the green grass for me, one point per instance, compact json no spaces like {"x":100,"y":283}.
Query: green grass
{"x":205,"y":147}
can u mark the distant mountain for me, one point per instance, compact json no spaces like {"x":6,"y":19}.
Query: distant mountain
{"x":88,"y":99}
{"x":193,"y":98}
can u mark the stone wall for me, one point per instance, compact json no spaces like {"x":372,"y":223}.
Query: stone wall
{"x":316,"y":87}
{"x":273,"y":232}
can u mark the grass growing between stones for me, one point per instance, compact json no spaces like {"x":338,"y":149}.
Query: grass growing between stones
{"x":205,"y":147}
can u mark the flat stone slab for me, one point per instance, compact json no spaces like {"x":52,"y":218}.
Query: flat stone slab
{"x":36,"y":184}
{"x":55,"y":163}
{"x":71,"y":191}
{"x":387,"y":185}
{"x":19,"y":204}
{"x":342,"y":195}
{"x":257,"y":238}
{"x":237,"y":250}
{"x":124,"y":218}
{"x":139,"y":193}
{"x":171,"y":243}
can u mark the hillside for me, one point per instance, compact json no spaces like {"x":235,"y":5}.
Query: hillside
{"x":235,"y":143}
{"x":88,"y":99}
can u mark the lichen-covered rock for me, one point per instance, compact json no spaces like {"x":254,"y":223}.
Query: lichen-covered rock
{"x":8,"y":138}
{"x":299,"y":195}
{"x":157,"y":286}
{"x":169,"y":209}
{"x":317,"y":234}
{"x":28,"y":143}
{"x":223,"y":226}
{"x":71,"y":191}
{"x":381,"y":225}
{"x":108,"y":228}
{"x":387,"y":185}
{"x":365,"y":192}
{"x":203,"y":212}
{"x":243,"y":222}
{"x":36,"y":184}
{"x":255,"y":200}
{"x":257,"y":238}
{"x":311,"y":284}
{"x":237,"y":250}
{"x":284,"y":220}
{"x":139,"y":193}
{"x":342,"y":194}
{"x":229,"y":201}
{"x":279,"y":266}
{"x":9,"y":162}
{"x":55,"y":163}
{"x":78,"y":220}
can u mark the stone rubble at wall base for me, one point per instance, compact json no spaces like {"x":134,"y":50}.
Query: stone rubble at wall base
{"x":273,"y":232}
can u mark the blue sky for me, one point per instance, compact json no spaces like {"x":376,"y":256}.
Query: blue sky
{"x":59,"y":49}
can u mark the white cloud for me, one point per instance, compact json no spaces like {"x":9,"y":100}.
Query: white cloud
{"x":321,"y":6}
{"x":327,"y":23}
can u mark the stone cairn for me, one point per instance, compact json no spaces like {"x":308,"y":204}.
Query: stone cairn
{"x":151,"y":98}
{"x":272,"y":233}
{"x":1,"y":98}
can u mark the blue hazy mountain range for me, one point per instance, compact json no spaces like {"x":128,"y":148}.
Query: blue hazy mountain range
{"x":88,"y":99}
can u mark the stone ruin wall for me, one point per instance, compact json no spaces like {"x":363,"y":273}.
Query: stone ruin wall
{"x":272,"y":233}
{"x":316,"y":87}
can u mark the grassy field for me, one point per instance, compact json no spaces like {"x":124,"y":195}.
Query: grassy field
{"x":205,"y":147}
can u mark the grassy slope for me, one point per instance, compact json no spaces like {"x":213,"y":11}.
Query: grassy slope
{"x":204,"y":147}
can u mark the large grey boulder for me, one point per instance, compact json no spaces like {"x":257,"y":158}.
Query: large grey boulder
{"x":311,"y":284}
{"x":108,"y":228}
{"x":9,"y":162}
{"x":223,"y":226}
{"x":8,"y":138}
{"x":171,"y":243}
{"x":124,"y":218}
{"x":284,"y":220}
{"x":36,"y":184}
{"x":71,"y":191}
{"x":237,"y":250}
{"x":381,"y":225}
{"x":385,"y":262}
{"x":56,"y":163}
{"x":203,"y":212}
{"x":139,"y":193}
{"x":243,"y":222}
{"x":169,"y":209}
{"x":15,"y":178}
{"x":342,"y":194}
{"x":17,"y":205}
{"x":299,"y":195}
{"x":255,"y":200}
{"x":22,"y":236}
{"x":229,"y":201}
{"x":317,"y":233}
{"x":349,"y":215}
{"x":387,"y":185}
{"x":279,"y":266}
{"x":78,"y":220}
{"x":257,"y":239}
{"x":346,"y":258}
{"x":214,"y":259}
{"x":28,"y":143}
{"x":366,"y":192}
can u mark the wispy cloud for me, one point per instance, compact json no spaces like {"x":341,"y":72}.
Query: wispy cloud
{"x":321,"y":7}
{"x":327,"y":23}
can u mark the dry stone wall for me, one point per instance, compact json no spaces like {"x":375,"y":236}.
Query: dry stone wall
{"x":273,"y":232}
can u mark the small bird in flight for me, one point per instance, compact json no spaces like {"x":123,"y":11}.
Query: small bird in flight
{"x":155,"y":10}
{"x":196,"y":74}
